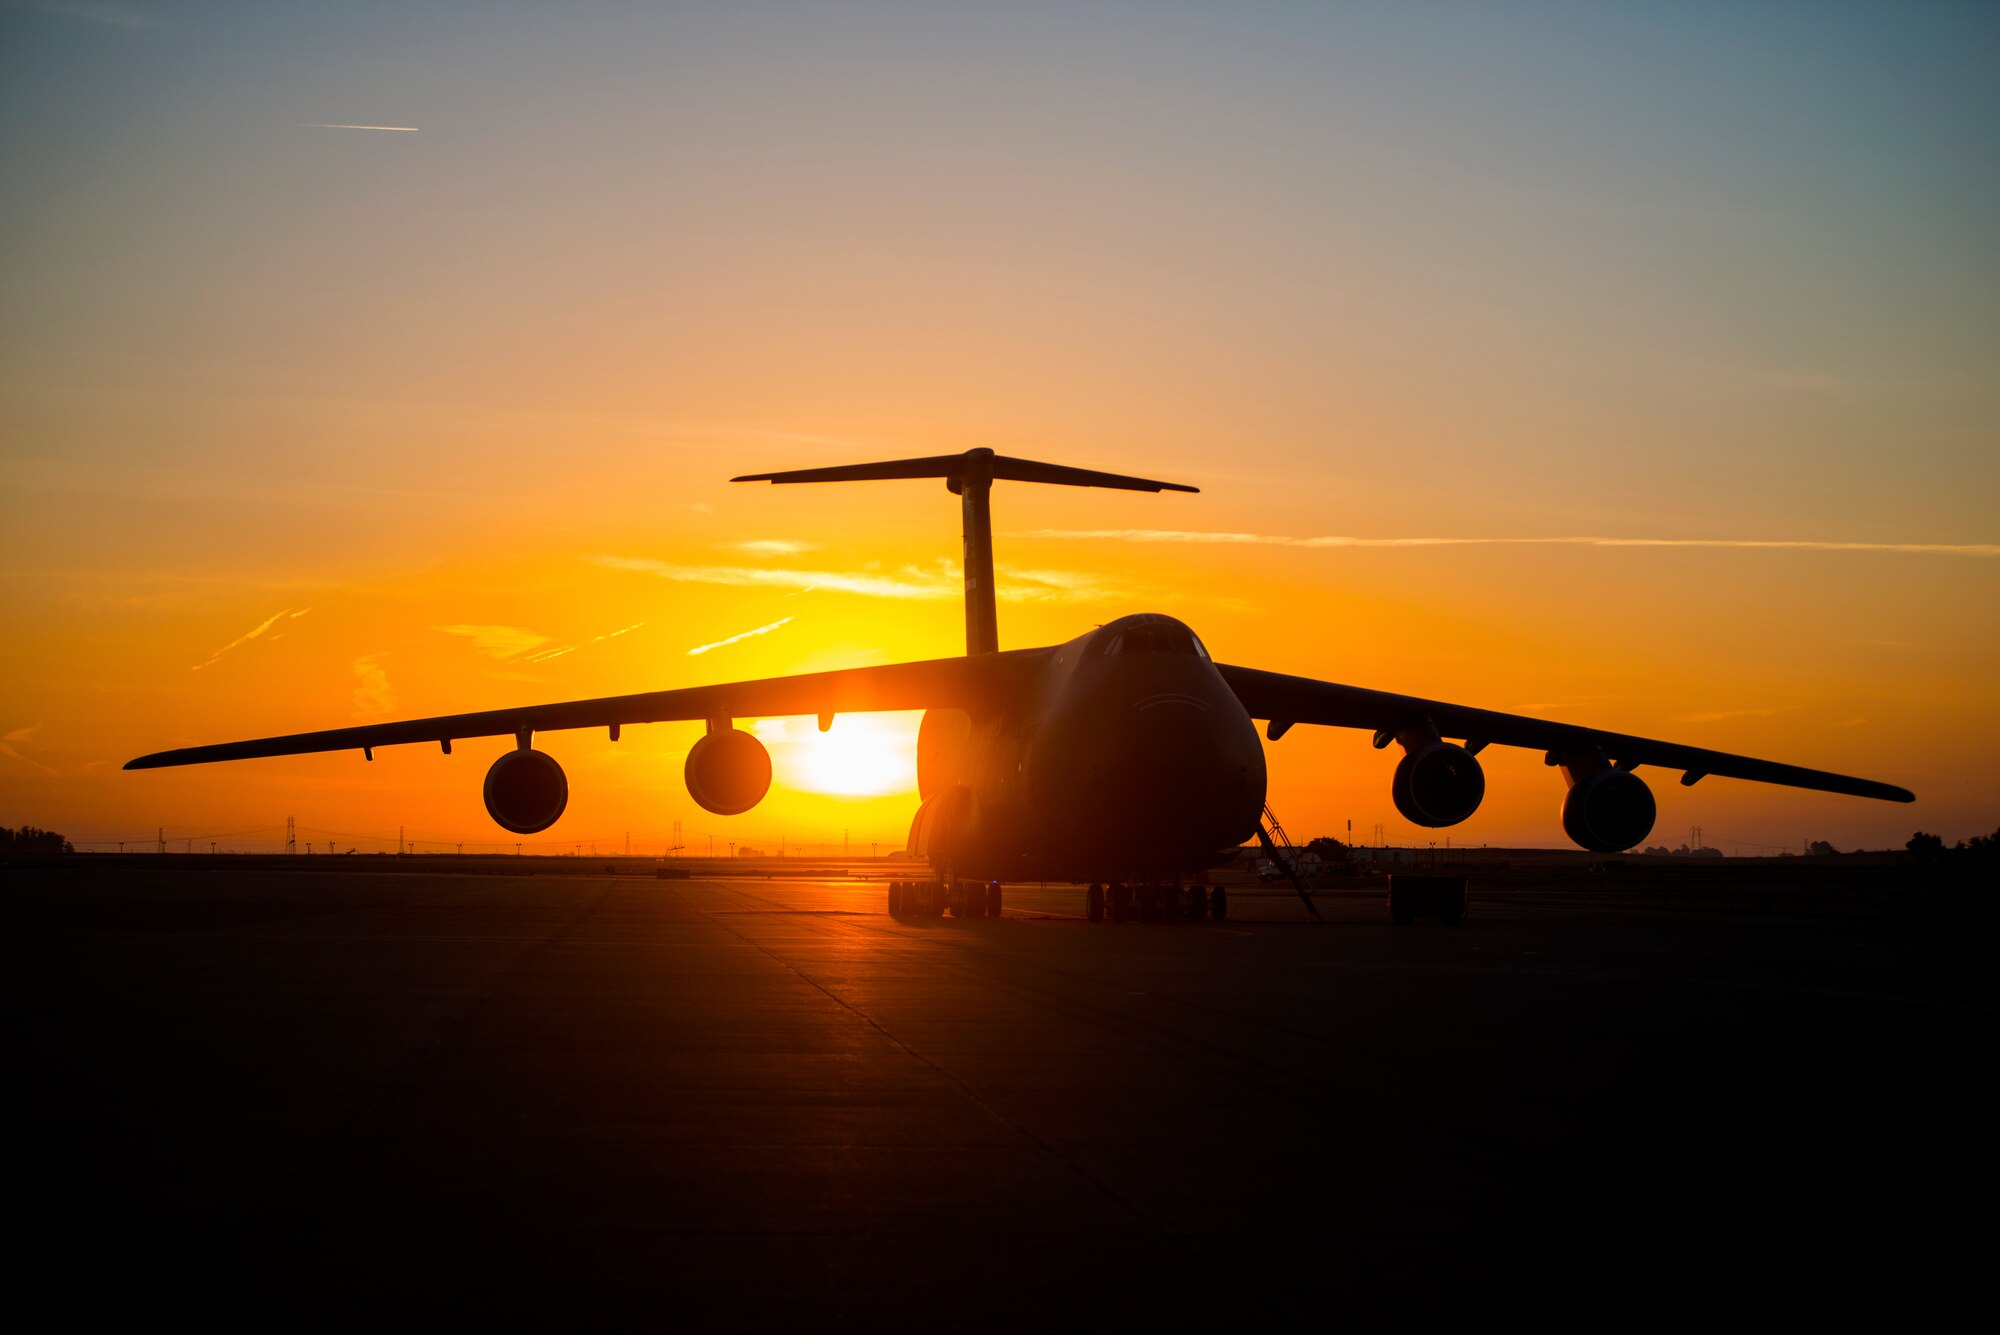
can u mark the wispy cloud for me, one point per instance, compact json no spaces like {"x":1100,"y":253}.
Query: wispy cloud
{"x":521,"y":645}
{"x":770,"y":546}
{"x":287,"y":615}
{"x":733,"y":639}
{"x":1719,"y":715}
{"x":22,"y":735}
{"x":910,"y":582}
{"x":938,"y":582}
{"x":1166,"y":535}
{"x":324,"y":125}
{"x":498,"y":641}
{"x":372,"y":696}
{"x":123,"y":17}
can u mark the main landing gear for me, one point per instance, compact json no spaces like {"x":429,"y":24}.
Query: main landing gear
{"x":931,"y":899}
{"x":1155,"y":903}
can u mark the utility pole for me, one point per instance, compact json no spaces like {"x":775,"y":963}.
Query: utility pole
{"x":161,"y":831}
{"x":291,"y":834}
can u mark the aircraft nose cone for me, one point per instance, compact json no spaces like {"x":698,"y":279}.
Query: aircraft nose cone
{"x":1186,"y":776}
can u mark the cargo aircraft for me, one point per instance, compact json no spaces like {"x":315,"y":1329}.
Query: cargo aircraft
{"x":1126,"y":758}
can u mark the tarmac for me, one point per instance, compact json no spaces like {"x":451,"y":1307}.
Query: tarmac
{"x":316,"y":1095}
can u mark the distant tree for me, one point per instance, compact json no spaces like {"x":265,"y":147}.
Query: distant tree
{"x":1984,"y":847}
{"x":28,"y":841}
{"x":1327,"y":848}
{"x":1926,"y":847}
{"x":1820,"y":848}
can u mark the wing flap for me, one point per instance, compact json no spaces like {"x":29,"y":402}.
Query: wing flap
{"x":1286,"y":699}
{"x":977,"y":684}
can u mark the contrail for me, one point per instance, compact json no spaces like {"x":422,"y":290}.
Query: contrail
{"x":248,"y":636}
{"x":761,"y":630}
{"x":1277,"y":540}
{"x":322,"y":125}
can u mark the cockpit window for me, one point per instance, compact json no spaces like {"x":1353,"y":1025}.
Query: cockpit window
{"x":1156,"y":640}
{"x":1148,"y":637}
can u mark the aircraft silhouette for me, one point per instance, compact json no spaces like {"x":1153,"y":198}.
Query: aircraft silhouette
{"x":1125,"y":757}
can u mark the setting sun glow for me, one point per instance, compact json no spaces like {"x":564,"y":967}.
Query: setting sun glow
{"x":863,"y":755}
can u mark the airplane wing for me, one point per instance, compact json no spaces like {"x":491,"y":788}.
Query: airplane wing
{"x":1285,"y":700}
{"x":976,"y":684}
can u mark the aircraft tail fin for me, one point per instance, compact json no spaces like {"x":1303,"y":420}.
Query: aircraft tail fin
{"x":971,"y":476}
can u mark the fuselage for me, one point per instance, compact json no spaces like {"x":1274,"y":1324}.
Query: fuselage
{"x":1130,"y":759}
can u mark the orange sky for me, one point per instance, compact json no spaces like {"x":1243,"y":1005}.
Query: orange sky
{"x":457,"y":407}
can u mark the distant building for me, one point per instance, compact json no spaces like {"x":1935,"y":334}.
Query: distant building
{"x":1385,"y":856}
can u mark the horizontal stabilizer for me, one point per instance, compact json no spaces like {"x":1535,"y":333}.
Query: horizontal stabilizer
{"x":980,"y":463}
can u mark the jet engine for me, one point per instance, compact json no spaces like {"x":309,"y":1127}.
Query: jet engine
{"x":1438,"y":784}
{"x":526,"y":791}
{"x":728,"y":772}
{"x":1608,"y":811}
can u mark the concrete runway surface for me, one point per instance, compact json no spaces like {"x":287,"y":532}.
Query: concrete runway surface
{"x":305,"y":1097}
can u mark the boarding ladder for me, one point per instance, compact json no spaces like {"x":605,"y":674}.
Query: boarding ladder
{"x":1284,"y":856}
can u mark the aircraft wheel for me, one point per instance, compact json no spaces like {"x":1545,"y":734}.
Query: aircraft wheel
{"x":993,"y":899}
{"x":1197,"y":902}
{"x":1168,"y":903}
{"x":1147,"y":896}
{"x":1093,"y":902}
{"x":1218,"y":904}
{"x":895,"y":899}
{"x":1121,"y":902}
{"x":958,"y":895}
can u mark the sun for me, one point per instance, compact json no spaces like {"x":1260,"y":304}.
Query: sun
{"x":864,"y":755}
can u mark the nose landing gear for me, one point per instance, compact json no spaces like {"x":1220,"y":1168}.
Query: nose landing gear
{"x":930,"y":899}
{"x":1155,"y":903}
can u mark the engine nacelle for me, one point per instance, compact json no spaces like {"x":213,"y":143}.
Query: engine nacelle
{"x":728,"y":772}
{"x":1608,"y":811}
{"x":1438,"y":784}
{"x":526,"y":791}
